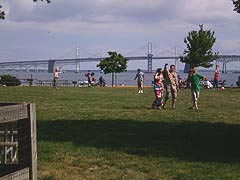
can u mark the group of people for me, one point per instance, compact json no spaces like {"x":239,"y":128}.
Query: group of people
{"x":167,"y":80}
{"x":163,"y":79}
{"x":89,"y":75}
{"x":91,"y":79}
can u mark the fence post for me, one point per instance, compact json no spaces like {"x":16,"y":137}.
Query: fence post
{"x":33,"y":127}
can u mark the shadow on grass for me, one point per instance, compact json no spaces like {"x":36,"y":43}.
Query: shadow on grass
{"x":192,"y":141}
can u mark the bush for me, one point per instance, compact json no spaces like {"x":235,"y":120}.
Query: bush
{"x":9,"y":80}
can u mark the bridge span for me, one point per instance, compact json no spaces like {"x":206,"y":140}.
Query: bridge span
{"x":224,"y":59}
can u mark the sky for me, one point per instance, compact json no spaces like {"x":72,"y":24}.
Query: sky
{"x":36,"y":31}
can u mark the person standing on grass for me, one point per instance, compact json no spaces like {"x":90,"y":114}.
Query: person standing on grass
{"x":194,"y":79}
{"x":158,"y":88}
{"x":171,"y":85}
{"x":216,"y":78}
{"x":89,"y":75}
{"x":55,"y":79}
{"x":140,"y":80}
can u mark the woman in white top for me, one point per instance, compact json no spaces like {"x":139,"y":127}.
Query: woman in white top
{"x":55,"y":79}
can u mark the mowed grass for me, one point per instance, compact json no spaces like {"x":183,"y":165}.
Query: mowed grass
{"x":111,"y":134}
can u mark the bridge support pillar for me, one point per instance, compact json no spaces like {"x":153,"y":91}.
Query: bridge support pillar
{"x":149,"y":56}
{"x":77,"y":70}
{"x":35,"y":68}
{"x":51,"y":66}
{"x":150,"y":62}
{"x":224,"y":69}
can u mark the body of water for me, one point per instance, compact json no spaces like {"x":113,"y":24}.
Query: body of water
{"x":126,"y":78}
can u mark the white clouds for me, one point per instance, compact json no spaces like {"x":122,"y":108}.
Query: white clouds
{"x":5,"y":6}
{"x":107,"y":12}
{"x":229,"y":46}
{"x":19,"y":9}
{"x":209,"y":11}
{"x":119,"y":23}
{"x":102,"y":11}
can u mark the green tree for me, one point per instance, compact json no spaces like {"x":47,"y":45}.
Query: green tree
{"x":199,"y":48}
{"x":116,"y":63}
{"x":236,"y":4}
{"x":2,"y":13}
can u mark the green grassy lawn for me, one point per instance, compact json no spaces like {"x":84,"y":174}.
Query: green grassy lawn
{"x":111,"y":134}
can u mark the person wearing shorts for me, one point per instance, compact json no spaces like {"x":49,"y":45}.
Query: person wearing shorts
{"x":194,"y":79}
{"x":140,"y":80}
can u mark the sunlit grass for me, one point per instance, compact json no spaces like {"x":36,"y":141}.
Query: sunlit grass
{"x":110,"y":133}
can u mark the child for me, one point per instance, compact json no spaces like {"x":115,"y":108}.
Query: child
{"x":158,"y":89}
{"x":194,"y":80}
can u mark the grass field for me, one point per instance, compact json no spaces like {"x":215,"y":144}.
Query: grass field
{"x":111,"y":134}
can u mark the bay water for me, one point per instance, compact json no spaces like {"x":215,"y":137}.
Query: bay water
{"x":124,"y":78}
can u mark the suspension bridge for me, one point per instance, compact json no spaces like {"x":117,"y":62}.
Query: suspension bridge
{"x":149,"y":57}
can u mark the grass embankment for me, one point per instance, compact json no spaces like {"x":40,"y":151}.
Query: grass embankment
{"x":110,"y":134}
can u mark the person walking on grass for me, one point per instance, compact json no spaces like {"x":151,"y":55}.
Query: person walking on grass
{"x":158,"y":88}
{"x":216,"y":78}
{"x":171,"y":85}
{"x":140,"y":80}
{"x":194,"y":79}
{"x":90,"y":77}
{"x":55,"y":78}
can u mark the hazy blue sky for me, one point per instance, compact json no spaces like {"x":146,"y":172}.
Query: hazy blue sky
{"x":35,"y":31}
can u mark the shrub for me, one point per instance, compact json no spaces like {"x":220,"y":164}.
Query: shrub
{"x":9,"y":80}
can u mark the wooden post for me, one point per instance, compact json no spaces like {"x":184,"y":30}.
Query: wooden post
{"x":33,"y":127}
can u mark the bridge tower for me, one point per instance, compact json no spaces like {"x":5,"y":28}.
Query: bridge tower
{"x":149,"y":56}
{"x":77,"y":60}
{"x":51,"y":66}
{"x":224,"y":69}
{"x":176,"y":53}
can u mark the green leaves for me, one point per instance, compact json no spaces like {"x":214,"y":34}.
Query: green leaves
{"x":116,"y":63}
{"x":236,"y":4}
{"x":199,"y":48}
{"x":9,"y":80}
{"x":2,"y":13}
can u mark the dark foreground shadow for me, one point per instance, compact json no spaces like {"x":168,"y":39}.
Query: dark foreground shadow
{"x":192,"y":141}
